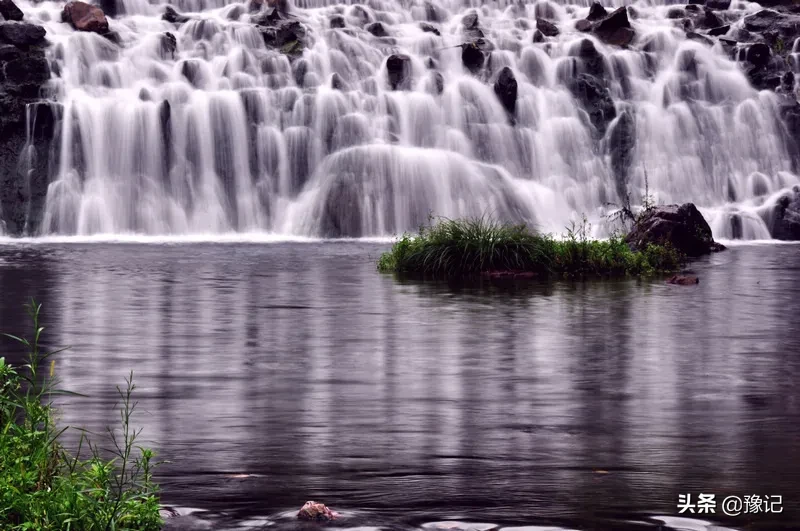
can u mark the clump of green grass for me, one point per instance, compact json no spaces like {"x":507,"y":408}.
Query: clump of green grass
{"x":459,"y":248}
{"x":42,"y":486}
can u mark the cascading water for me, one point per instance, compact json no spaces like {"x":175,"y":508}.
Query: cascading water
{"x":216,"y":131}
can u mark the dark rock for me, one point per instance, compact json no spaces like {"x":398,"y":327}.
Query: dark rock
{"x":270,"y":17}
{"x":621,"y":144}
{"x":29,"y":69}
{"x":169,"y":45}
{"x":438,"y":82}
{"x":377,"y":29}
{"x":787,"y":81}
{"x":191,"y":70}
{"x":615,"y":29}
{"x":697,"y":37}
{"x":506,"y":89}
{"x":676,"y":13}
{"x":683,"y":227}
{"x":720,"y":30}
{"x":337,"y":21}
{"x":85,"y":17}
{"x":595,"y":99}
{"x":472,"y":57}
{"x":584,"y":26}
{"x":337,"y":83}
{"x":759,"y":54}
{"x":591,"y":59}
{"x":784,"y":217}
{"x":428,"y":28}
{"x":538,"y":36}
{"x":693,"y":8}
{"x":399,"y":71}
{"x":110,"y":7}
{"x":786,"y":26}
{"x":170,"y":15}
{"x":597,"y":12}
{"x":434,"y":13}
{"x":683,"y":280}
{"x":288,"y":35}
{"x":720,"y":5}
{"x":10,"y":11}
{"x":710,"y":20}
{"x":21,"y":33}
{"x":546,"y":27}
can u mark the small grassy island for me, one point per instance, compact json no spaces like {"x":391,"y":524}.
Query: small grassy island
{"x":470,"y":247}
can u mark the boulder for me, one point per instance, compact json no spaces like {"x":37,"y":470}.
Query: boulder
{"x":170,"y":15}
{"x":313,"y":511}
{"x":683,"y":227}
{"x":710,"y":20}
{"x":783,"y":218}
{"x":720,"y":5}
{"x":719,"y":30}
{"x":10,"y":11}
{"x":597,"y":12}
{"x":85,"y":17}
{"x":615,"y":29}
{"x":758,"y":54}
{"x":429,"y":28}
{"x":784,"y":25}
{"x":26,"y":71}
{"x":472,"y":57}
{"x":21,"y":33}
{"x":683,"y":280}
{"x":591,"y":59}
{"x":337,"y":21}
{"x":506,"y":89}
{"x":676,"y":13}
{"x":377,"y":29}
{"x":470,"y":26}
{"x":288,"y":35}
{"x":546,"y":27}
{"x":584,"y":26}
{"x":596,"y":100}
{"x":398,"y":68}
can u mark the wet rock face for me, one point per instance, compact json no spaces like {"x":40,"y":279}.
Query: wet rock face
{"x":472,"y":57}
{"x":594,"y":97}
{"x":23,"y":70}
{"x":597,"y":12}
{"x":615,"y":29}
{"x":506,"y":89}
{"x":784,"y":217}
{"x":547,"y":28}
{"x":621,"y":143}
{"x":172,"y":16}
{"x":683,"y":227}
{"x":10,"y":11}
{"x":85,"y":17}
{"x":398,"y":67}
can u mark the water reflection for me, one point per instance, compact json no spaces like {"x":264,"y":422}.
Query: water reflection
{"x":571,"y":403}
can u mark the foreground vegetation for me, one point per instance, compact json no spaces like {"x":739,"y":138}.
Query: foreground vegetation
{"x":42,"y":486}
{"x":452,"y":248}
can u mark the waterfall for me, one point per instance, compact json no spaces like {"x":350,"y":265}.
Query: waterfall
{"x":205,"y":127}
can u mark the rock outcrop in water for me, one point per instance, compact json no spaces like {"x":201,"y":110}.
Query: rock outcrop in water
{"x":683,"y":227}
{"x":784,"y":217}
{"x":316,"y":512}
{"x":85,"y":17}
{"x":10,"y":11}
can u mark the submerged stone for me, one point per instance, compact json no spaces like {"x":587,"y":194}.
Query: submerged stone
{"x":313,"y":511}
{"x":683,"y":227}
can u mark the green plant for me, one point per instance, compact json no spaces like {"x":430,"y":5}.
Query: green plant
{"x":450,"y":248}
{"x":42,"y":486}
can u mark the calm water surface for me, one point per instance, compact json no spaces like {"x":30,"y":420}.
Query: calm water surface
{"x":271,"y":374}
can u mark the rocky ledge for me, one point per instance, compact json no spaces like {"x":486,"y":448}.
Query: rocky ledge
{"x":683,"y":227}
{"x":24,"y":70}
